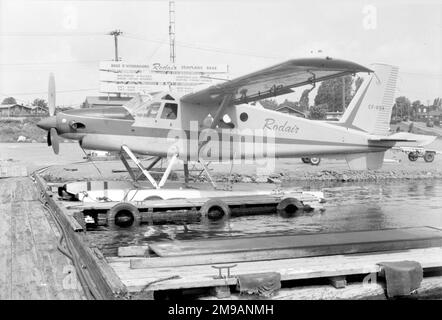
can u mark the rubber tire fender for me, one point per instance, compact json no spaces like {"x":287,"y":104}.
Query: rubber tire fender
{"x":205,"y":209}
{"x":123,"y":206}
{"x":285,"y":206}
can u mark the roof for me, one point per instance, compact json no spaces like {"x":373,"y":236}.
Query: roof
{"x":330,"y":113}
{"x":7,"y":106}
{"x":291,"y":108}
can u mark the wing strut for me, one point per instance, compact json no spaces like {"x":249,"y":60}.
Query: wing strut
{"x":145,"y":171}
{"x":226,"y":100}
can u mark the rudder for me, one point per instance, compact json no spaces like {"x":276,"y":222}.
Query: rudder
{"x":370,"y":109}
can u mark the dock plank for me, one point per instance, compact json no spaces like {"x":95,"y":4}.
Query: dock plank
{"x":290,"y":269}
{"x":27,"y":278}
{"x":31,"y":267}
{"x":5,"y":250}
{"x":372,"y":238}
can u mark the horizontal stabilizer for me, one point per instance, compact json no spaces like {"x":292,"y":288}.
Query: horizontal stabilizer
{"x":405,"y":139}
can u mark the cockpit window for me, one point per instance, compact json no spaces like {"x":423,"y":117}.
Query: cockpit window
{"x":152,"y":110}
{"x":148,"y":110}
{"x":170,"y":111}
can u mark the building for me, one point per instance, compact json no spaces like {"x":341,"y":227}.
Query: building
{"x":436,"y":116}
{"x":291,"y":110}
{"x":19,"y":110}
{"x":105,"y":101}
{"x":39,"y":111}
{"x":422,"y":114}
{"x":284,"y":108}
{"x":14,"y":110}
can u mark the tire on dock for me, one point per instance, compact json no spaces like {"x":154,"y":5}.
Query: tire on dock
{"x":123,"y":215}
{"x":215,"y":209}
{"x":289,"y":206}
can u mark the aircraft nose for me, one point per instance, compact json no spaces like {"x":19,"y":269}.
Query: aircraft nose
{"x":47,"y":123}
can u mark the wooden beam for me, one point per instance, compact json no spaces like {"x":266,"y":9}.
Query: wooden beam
{"x":338,"y":282}
{"x":133,"y":251}
{"x":104,"y":279}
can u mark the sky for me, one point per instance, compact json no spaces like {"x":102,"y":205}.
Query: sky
{"x":69,"y":38}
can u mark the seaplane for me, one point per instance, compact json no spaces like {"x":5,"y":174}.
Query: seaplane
{"x":222,"y":122}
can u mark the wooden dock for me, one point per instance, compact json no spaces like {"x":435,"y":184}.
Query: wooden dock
{"x":185,"y":267}
{"x":295,"y":257}
{"x":203,"y":276}
{"x":31,"y":266}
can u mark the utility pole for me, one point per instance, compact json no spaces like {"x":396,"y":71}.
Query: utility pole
{"x":116,"y":33}
{"x":172,"y":30}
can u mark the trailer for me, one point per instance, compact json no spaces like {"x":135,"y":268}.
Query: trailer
{"x":415,"y":153}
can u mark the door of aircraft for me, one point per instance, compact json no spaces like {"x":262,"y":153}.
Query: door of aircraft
{"x":168,"y":115}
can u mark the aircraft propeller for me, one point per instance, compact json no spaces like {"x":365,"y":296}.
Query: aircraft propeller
{"x":53,"y":140}
{"x":51,"y":95}
{"x":50,"y":123}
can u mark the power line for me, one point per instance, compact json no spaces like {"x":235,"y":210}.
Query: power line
{"x":48,"y":63}
{"x":51,"y":34}
{"x":43,"y":92}
{"x":197,"y":47}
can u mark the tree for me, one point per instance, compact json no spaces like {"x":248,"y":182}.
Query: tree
{"x":304,"y":100}
{"x":402,"y":107}
{"x":358,"y":83}
{"x":415,"y":108}
{"x":437,"y":103}
{"x":9,"y":100}
{"x":330,"y":92}
{"x":317,"y":112}
{"x":40,"y":102}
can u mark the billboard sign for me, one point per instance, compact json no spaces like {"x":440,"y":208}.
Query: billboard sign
{"x":124,"y":77}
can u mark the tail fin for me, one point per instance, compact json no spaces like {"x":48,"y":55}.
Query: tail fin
{"x":371,"y":107}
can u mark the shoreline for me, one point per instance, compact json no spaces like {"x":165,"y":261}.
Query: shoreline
{"x":112,"y":170}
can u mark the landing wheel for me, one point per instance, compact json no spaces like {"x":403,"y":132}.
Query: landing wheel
{"x":215,"y":209}
{"x":123,"y":215}
{"x":412,"y":156}
{"x":429,"y":156}
{"x":315,"y":161}
{"x":305,"y":160}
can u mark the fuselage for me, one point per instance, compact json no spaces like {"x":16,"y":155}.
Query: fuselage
{"x":249,"y":132}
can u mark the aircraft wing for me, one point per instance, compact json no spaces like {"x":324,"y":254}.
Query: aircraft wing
{"x":274,"y":81}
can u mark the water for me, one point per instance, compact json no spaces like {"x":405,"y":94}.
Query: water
{"x":349,"y":207}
